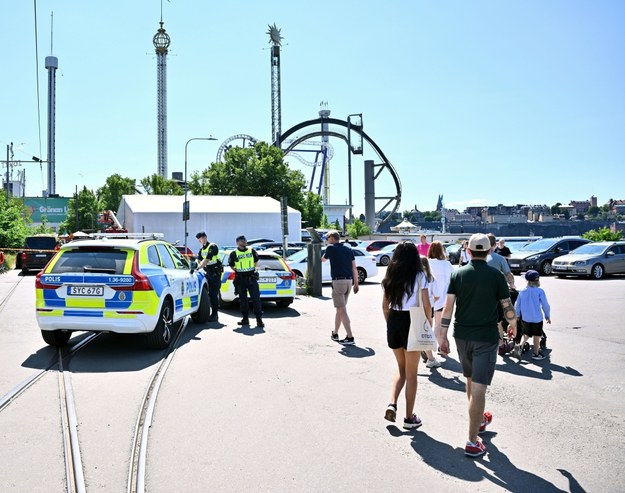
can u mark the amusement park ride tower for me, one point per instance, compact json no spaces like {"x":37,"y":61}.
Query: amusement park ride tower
{"x":276,"y":111}
{"x":161,"y":42}
{"x":52,"y":63}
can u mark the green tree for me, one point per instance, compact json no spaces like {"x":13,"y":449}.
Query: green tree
{"x":325,"y":224}
{"x":312,"y":210}
{"x":157,"y":185}
{"x":13,"y":226}
{"x":432,"y":216}
{"x":358,"y":228}
{"x":110,"y":194}
{"x":555,"y":209}
{"x":602,"y":234}
{"x":259,"y":170}
{"x":88,"y":208}
{"x":43,"y":228}
{"x":593,"y":211}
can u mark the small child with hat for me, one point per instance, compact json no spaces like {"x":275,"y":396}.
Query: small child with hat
{"x":528,"y":307}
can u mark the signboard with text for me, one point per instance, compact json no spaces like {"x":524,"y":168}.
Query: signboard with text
{"x":54,"y":209}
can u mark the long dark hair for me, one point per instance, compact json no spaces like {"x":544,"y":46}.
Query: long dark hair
{"x":401,"y":273}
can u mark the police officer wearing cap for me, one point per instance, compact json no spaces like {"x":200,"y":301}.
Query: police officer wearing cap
{"x":243,"y":261}
{"x":209,"y":261}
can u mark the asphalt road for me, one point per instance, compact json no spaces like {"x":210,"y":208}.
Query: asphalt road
{"x":287,"y":409}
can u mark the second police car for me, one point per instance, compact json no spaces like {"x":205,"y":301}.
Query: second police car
{"x":276,"y":281}
{"x":127,"y":286}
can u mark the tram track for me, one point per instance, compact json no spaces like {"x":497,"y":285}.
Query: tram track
{"x":138,"y":458}
{"x":74,"y":470}
{"x":12,"y":289}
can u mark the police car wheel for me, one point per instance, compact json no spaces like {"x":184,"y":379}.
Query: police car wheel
{"x":56,"y":337}
{"x":284,"y":303}
{"x":204,"y":310}
{"x":162,"y":334}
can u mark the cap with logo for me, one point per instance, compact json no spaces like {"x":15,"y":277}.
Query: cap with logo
{"x":479,"y":243}
{"x":241,"y":238}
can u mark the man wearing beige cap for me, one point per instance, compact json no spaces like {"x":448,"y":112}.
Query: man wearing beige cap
{"x":476,"y":289}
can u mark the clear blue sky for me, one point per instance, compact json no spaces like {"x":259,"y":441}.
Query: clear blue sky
{"x":485,"y":102}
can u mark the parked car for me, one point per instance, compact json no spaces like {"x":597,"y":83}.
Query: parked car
{"x":277,"y":244}
{"x":540,"y":254}
{"x":276,"y":280}
{"x":119,"y":285}
{"x":186,"y":252}
{"x":372,"y":245}
{"x":289,"y":251}
{"x":365,"y":265}
{"x":38,"y":250}
{"x":453,"y":252}
{"x":259,"y":240}
{"x":383,"y":257}
{"x":594,"y":260}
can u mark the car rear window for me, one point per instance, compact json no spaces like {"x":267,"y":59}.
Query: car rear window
{"x":109,"y":261}
{"x":270,"y":264}
{"x":40,"y":242}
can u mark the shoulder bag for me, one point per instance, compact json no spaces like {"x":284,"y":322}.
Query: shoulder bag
{"x":420,"y":335}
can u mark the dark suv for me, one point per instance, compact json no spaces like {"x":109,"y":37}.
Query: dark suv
{"x":539,"y":255}
{"x":38,"y":250}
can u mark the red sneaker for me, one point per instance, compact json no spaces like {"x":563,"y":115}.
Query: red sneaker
{"x":488,"y":419}
{"x":475,"y":449}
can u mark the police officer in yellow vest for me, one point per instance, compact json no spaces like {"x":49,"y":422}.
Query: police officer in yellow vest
{"x":209,"y":261}
{"x":243,"y":261}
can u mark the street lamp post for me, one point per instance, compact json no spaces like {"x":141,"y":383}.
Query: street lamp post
{"x":185,"y":206}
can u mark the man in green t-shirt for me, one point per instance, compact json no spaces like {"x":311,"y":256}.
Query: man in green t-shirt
{"x":476,"y":289}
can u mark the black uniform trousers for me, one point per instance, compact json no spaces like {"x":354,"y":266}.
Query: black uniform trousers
{"x":247,"y":283}
{"x":213,"y":278}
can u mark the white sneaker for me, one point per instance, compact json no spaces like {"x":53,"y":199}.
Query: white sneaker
{"x":433,"y":363}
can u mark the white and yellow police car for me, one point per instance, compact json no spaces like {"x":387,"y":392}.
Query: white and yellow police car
{"x":276,"y":281}
{"x":127,"y":286}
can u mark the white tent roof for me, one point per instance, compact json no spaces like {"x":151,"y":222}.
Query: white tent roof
{"x":202,"y":203}
{"x":405,"y":224}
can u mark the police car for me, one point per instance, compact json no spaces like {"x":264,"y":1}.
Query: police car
{"x":276,"y":281}
{"x":127,"y":286}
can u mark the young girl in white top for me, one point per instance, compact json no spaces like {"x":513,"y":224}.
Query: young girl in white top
{"x":441,"y":270}
{"x":403,"y":283}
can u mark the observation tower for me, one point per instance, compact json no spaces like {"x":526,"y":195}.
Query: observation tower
{"x":161,"y":42}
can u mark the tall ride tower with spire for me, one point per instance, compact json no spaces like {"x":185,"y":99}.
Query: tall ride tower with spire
{"x":161,"y":42}
{"x":275,"y":39}
{"x":52,"y":64}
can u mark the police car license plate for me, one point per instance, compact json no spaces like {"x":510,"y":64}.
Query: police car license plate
{"x":86,"y":290}
{"x":514,"y":265}
{"x":268,"y":280}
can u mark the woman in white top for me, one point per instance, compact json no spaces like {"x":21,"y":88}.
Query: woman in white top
{"x":404,"y":284}
{"x":434,"y":291}
{"x":441,"y":270}
{"x":465,"y":256}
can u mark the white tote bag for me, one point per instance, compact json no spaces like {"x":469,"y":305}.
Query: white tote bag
{"x":420,"y":336}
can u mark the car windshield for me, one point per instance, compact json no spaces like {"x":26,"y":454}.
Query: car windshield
{"x":298,"y":256}
{"x":453,"y":248}
{"x":389,"y":248}
{"x":540,"y":245}
{"x":515,"y":246}
{"x":589,"y":249}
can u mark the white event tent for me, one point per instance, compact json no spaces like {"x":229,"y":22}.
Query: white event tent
{"x":221,"y":217}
